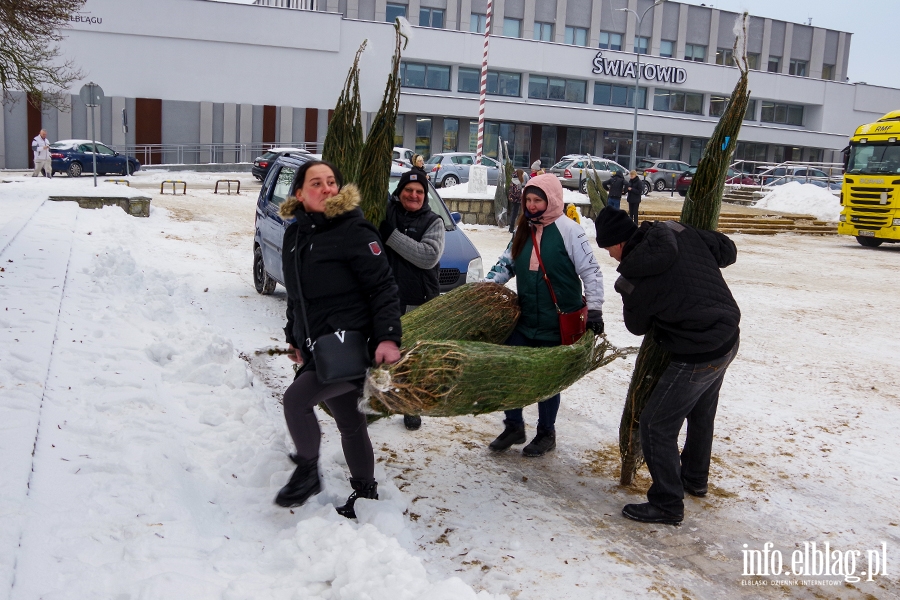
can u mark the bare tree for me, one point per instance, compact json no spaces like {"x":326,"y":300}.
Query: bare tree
{"x":30,"y":34}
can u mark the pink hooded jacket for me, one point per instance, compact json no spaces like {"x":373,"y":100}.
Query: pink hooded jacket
{"x":551,"y":186}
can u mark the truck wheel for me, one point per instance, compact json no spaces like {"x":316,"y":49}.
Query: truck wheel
{"x":869,"y":242}
{"x":264,"y":284}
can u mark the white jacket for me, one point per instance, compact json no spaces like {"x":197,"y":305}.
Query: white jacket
{"x":41,"y":148}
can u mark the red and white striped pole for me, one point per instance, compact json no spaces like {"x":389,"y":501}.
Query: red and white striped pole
{"x":484,"y":63}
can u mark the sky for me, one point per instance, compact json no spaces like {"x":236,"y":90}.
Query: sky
{"x":866,"y":48}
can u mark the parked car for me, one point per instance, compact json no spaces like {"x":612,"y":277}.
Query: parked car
{"x":75,"y":157}
{"x":572,"y":170}
{"x":786,"y":174}
{"x":732,"y":178}
{"x":262,"y":163}
{"x":460,"y":262}
{"x":403,"y":156}
{"x":661,"y":173}
{"x":451,"y":168}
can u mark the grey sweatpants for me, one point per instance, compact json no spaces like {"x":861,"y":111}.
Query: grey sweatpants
{"x":341,"y":399}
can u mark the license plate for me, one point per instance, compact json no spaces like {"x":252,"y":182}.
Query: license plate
{"x":866,"y":233}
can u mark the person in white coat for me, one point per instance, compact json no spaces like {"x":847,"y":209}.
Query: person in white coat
{"x":42,"y":161}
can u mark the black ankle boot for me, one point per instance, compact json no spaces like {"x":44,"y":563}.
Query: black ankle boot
{"x":542,"y":443}
{"x":361,"y":489}
{"x":303,"y":484}
{"x":513,"y":434}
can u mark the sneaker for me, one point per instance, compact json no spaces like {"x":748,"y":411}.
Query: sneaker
{"x":513,"y":434}
{"x":303,"y":484}
{"x":361,"y":489}
{"x":542,"y":443}
{"x":412,"y":422}
{"x":647,"y":513}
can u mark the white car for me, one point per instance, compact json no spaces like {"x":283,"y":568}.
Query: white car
{"x":403,"y":156}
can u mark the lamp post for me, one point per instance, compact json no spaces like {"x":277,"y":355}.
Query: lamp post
{"x":637,"y":78}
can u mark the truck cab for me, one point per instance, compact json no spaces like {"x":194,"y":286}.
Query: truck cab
{"x":870,"y":194}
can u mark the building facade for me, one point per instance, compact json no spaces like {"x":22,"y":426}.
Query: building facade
{"x":561,"y":77}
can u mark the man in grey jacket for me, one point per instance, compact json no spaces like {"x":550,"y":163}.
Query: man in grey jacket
{"x":41,"y":147}
{"x":413,"y":235}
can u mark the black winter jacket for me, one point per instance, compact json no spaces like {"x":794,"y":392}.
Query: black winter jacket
{"x":635,"y":189}
{"x":347,"y":282}
{"x":417,"y":286}
{"x":615,"y":185}
{"x":671,"y":278}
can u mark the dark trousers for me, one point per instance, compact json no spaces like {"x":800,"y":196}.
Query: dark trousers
{"x":341,"y":399}
{"x":548,"y":408}
{"x":633,"y":210}
{"x":614,"y":202}
{"x":685,"y":391}
{"x":513,"y":215}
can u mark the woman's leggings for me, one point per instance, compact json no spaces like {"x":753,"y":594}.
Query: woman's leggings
{"x":341,"y":399}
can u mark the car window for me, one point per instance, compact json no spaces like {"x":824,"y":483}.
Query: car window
{"x":463,"y":160}
{"x":105,"y":150}
{"x":269,"y":155}
{"x":817,"y":173}
{"x":282,"y":185}
{"x":396,"y":155}
{"x":86,"y":147}
{"x":645,"y":164}
{"x":434,"y":159}
{"x":578,"y":164}
{"x":562,"y":164}
{"x":489,"y":162}
{"x":600,"y":165}
{"x":731,"y":173}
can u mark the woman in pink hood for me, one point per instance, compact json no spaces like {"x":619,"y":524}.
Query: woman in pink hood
{"x":573,"y":272}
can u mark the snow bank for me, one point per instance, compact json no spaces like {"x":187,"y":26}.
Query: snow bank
{"x":804,"y":198}
{"x":66,"y":186}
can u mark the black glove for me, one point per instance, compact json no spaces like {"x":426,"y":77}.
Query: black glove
{"x":595,"y":321}
{"x":386,"y":229}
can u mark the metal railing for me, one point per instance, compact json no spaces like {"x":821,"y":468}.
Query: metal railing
{"x":201,"y":154}
{"x":767,"y":175}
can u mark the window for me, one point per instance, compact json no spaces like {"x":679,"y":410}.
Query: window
{"x":554,"y":88}
{"x":717,"y":105}
{"x":392,"y":11}
{"x":469,"y":80}
{"x":473,"y":136}
{"x":576,"y":36}
{"x":725,"y":56}
{"x":750,"y":115}
{"x":753,"y":60}
{"x":282,"y":185}
{"x":675,"y":148}
{"x":498,"y":83}
{"x":695,"y":53}
{"x":828,"y":72}
{"x":789,"y":114}
{"x":606,"y":94}
{"x":431,"y":17}
{"x":580,"y":141}
{"x":477,"y":23}
{"x":423,"y":136}
{"x":512,"y":27}
{"x":543,"y":31}
{"x":451,"y":135}
{"x":504,"y":84}
{"x":548,"y":146}
{"x":774,"y":64}
{"x":667,"y":48}
{"x":610,"y":41}
{"x":678,"y":102}
{"x":797,"y":67}
{"x":429,"y":77}
{"x":398,"y":130}
{"x":750,"y":151}
{"x":641,"y":44}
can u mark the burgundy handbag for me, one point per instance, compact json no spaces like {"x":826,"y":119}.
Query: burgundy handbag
{"x":572,"y":325}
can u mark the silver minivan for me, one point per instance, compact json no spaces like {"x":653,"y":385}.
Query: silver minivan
{"x":450,"y":168}
{"x":572,"y":170}
{"x":661,"y":173}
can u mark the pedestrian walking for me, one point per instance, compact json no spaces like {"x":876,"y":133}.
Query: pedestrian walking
{"x":42,"y":160}
{"x":672,"y":288}
{"x":338,"y":280}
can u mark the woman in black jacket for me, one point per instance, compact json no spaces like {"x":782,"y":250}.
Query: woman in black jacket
{"x":347,"y":285}
{"x":635,"y":189}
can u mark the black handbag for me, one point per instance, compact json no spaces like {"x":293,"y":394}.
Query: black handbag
{"x":339,"y":356}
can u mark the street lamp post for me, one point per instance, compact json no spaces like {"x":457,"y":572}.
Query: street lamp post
{"x":637,"y":79}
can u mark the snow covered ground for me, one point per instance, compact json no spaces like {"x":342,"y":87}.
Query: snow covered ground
{"x":143,"y":441}
{"x":804,"y":198}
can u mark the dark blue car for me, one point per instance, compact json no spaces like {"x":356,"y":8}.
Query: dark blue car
{"x":74,"y":157}
{"x":460,"y":262}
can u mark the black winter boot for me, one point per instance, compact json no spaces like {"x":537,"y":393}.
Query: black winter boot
{"x":513,"y":434}
{"x":542,"y":443}
{"x":303,"y":484}
{"x":361,"y":489}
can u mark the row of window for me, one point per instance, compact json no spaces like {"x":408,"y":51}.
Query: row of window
{"x":578,"y":36}
{"x":500,"y":83}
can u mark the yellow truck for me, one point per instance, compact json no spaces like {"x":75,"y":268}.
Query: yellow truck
{"x":870,"y":195}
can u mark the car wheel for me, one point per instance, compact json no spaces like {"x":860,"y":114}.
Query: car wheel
{"x":582,"y":187}
{"x":264,"y":284}
{"x":869,"y":242}
{"x":646,"y":188}
{"x":660,"y":185}
{"x":683,"y":193}
{"x":74,"y":170}
{"x":449,"y":181}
